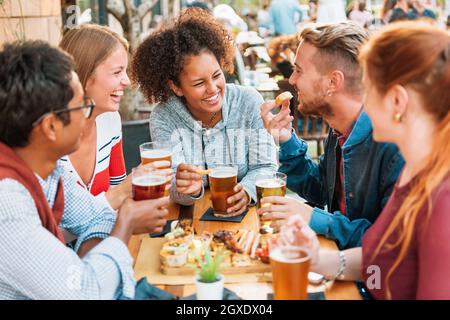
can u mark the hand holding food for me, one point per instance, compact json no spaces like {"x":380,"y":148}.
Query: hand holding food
{"x":282,"y":97}
{"x":188,"y":181}
{"x":279,"y":125}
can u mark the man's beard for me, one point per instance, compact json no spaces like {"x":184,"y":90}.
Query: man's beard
{"x":317,"y":107}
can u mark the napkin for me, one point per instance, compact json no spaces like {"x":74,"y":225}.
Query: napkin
{"x":209,"y":216}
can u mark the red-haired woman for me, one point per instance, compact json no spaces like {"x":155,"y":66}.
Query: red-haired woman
{"x":406,"y":253}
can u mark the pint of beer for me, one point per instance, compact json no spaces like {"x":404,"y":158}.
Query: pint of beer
{"x":270,"y":185}
{"x":147,"y":184}
{"x":222,"y":181}
{"x":155,"y":151}
{"x":290,"y":267}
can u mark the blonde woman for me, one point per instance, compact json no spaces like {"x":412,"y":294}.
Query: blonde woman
{"x":407,"y":250}
{"x":101,"y":58}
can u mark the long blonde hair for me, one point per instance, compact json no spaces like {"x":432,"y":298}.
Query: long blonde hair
{"x":415,"y":55}
{"x":90,"y":45}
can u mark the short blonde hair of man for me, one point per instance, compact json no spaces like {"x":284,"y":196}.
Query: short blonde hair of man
{"x":338,"y":46}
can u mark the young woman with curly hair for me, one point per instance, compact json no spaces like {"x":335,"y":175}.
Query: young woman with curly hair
{"x":406,"y":252}
{"x":182,"y":68}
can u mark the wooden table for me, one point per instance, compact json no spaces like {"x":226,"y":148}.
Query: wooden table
{"x":339,"y":290}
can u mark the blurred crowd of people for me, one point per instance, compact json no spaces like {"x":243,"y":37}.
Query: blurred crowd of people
{"x":284,"y":17}
{"x":281,"y":17}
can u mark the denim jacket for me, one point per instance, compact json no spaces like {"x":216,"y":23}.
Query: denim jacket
{"x":370,"y":172}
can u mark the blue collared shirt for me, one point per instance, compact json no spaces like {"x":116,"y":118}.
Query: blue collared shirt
{"x":34,"y":264}
{"x":370,"y":170}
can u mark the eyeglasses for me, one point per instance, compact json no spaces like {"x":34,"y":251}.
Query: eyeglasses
{"x":87,"y":107}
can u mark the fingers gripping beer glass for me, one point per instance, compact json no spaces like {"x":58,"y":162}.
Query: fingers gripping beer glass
{"x":156,"y":151}
{"x":290,"y":267}
{"x":222,"y":181}
{"x":269,"y":185}
{"x":147,"y":184}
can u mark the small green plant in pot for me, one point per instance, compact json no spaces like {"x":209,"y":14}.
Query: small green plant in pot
{"x":209,"y":280}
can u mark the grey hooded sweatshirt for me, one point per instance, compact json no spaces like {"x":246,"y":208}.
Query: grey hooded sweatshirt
{"x":239,"y":138}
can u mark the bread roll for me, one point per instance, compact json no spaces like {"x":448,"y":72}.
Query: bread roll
{"x":282,"y":97}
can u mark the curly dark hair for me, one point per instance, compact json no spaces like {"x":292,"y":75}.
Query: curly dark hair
{"x":161,"y":56}
{"x":34,"y":80}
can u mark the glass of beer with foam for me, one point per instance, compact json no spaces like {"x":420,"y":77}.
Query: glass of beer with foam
{"x":222,"y":180}
{"x":147,"y":184}
{"x":156,"y":151}
{"x":290,"y":267}
{"x":268,"y":185}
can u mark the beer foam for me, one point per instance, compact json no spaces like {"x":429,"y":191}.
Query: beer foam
{"x":149,"y":181}
{"x":277,"y":255}
{"x":156,"y":153}
{"x":223,"y":172}
{"x":270,"y":183}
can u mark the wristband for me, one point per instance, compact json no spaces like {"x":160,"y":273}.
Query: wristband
{"x":342,"y":266}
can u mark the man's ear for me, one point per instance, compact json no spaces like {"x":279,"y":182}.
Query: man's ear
{"x":49,"y":126}
{"x":337,"y":80}
{"x":175,"y":89}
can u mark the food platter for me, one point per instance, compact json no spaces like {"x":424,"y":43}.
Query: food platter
{"x":243,"y":251}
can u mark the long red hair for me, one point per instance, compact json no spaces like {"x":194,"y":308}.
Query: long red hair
{"x":417,"y":55}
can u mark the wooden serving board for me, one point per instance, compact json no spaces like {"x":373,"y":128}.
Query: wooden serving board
{"x":256,"y":267}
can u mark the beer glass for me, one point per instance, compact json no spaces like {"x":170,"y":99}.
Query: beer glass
{"x":222,"y":181}
{"x":269,"y":185}
{"x":290,"y":267}
{"x":147,"y":184}
{"x":156,"y":151}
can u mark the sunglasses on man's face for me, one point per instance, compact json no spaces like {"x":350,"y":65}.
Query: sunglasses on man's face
{"x":87,"y":107}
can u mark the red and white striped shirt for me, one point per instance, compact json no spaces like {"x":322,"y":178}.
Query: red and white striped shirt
{"x":110,"y":164}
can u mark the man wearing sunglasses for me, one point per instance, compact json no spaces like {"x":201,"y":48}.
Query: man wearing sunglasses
{"x":42,"y":114}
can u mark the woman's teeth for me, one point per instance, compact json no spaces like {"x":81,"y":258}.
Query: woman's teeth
{"x":117,"y":93}
{"x":213,"y":99}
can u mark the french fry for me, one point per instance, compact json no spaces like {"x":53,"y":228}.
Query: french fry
{"x":242,"y":240}
{"x":282,"y":97}
{"x":249,"y":242}
{"x":203,"y":171}
{"x":238,"y":235}
{"x":255,"y":246}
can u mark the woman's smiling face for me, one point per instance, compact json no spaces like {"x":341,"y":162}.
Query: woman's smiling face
{"x":108,"y":81}
{"x":202,"y":83}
